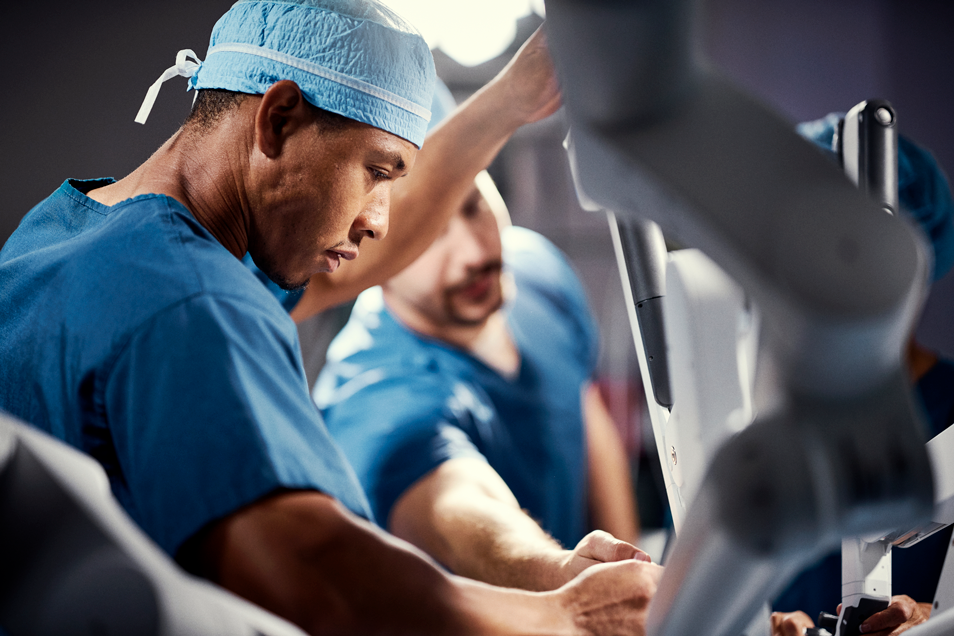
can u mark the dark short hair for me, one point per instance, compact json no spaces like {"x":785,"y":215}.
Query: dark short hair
{"x":211,"y":104}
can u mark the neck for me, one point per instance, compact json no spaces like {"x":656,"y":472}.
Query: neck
{"x":198,"y":171}
{"x":489,"y":340}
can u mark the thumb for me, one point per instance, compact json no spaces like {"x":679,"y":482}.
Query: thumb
{"x":602,"y":546}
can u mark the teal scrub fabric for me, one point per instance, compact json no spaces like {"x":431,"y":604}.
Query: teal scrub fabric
{"x":400,"y":404}
{"x":132,"y":334}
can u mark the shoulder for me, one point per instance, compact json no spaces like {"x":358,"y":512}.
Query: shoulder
{"x":535,"y":261}
{"x":374,"y":343}
{"x":157,"y":246}
{"x":524,"y":248}
{"x":375,"y":359}
{"x":549,"y":291}
{"x":543,"y":272}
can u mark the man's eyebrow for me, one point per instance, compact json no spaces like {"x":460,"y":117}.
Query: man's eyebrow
{"x":392,"y":157}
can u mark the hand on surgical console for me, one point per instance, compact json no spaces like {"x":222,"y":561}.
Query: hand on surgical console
{"x":790,"y":623}
{"x":612,"y":598}
{"x":598,"y":547}
{"x":901,"y":615}
{"x":305,"y":557}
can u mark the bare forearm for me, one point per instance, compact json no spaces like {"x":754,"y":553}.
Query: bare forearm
{"x":320,"y":567}
{"x":319,"y":579}
{"x":444,"y":173}
{"x":499,"y":544}
{"x":465,"y":516}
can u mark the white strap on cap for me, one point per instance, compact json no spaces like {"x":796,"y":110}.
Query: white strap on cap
{"x":183,"y":67}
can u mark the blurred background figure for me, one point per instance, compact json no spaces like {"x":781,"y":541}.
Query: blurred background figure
{"x":478,"y":359}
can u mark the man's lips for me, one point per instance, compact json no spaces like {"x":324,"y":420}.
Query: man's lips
{"x":347,"y":254}
{"x":333,"y":257}
{"x":477,"y":287}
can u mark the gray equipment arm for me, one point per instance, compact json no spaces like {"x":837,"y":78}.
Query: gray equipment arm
{"x":644,"y":251}
{"x":657,"y":135}
{"x":72,"y":562}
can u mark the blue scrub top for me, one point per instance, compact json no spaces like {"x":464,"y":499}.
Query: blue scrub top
{"x":131,"y":333}
{"x":400,"y":404}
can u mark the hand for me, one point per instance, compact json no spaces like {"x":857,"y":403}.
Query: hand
{"x":598,"y":547}
{"x":529,"y":85}
{"x":612,"y":599}
{"x":901,"y":615}
{"x":790,"y":623}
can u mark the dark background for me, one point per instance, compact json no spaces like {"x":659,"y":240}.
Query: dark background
{"x":75,"y":74}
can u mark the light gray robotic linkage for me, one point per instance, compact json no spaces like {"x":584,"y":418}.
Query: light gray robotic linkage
{"x":657,"y":134}
{"x":73,"y":564}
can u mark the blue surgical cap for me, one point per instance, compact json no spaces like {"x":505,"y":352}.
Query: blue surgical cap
{"x":923,"y":189}
{"x":442,"y":104}
{"x":356,"y":58}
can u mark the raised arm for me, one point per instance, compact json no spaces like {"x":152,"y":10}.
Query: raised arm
{"x":612,"y":500}
{"x":465,"y":143}
{"x":305,"y":557}
{"x":465,"y":516}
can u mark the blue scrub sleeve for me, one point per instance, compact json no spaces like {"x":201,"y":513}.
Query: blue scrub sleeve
{"x":396,"y":431}
{"x":209,"y":411}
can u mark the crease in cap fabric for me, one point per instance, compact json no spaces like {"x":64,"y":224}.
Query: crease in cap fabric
{"x":923,"y":189}
{"x":356,"y":58}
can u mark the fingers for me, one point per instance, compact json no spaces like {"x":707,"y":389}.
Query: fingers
{"x":612,"y":598}
{"x":602,"y":546}
{"x":790,"y":623}
{"x":898,"y":612}
{"x":534,"y":89}
{"x":903,"y":611}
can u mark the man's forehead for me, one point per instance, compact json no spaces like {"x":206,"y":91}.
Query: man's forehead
{"x":396,"y":151}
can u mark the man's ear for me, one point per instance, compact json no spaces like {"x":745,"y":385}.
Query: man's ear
{"x":281,"y":112}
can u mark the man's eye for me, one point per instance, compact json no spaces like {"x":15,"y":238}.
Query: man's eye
{"x":378,"y":175}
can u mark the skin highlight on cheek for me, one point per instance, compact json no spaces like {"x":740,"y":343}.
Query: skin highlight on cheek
{"x":328,"y":200}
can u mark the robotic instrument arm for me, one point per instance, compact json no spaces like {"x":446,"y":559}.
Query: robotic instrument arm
{"x":658,"y":135}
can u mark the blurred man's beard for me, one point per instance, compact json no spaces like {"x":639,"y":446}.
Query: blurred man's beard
{"x":456,"y":304}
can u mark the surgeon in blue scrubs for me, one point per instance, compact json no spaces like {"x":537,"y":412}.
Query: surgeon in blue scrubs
{"x":493,"y":450}
{"x":130,"y":328}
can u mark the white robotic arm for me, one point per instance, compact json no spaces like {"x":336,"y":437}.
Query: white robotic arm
{"x":656,"y":135}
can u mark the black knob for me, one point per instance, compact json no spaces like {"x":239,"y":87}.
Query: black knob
{"x":828,"y":621}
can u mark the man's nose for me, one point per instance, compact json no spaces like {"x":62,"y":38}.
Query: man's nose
{"x":372,"y":223}
{"x":469,"y":246}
